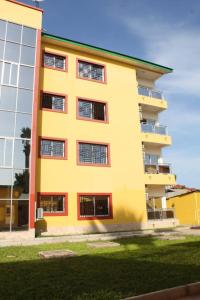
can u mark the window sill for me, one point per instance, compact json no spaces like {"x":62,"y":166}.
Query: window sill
{"x":56,"y":69}
{"x":55,"y":214}
{"x":92,"y":120}
{"x":52,"y":157}
{"x":93,"y":165}
{"x":93,"y":80}
{"x":53,"y":110}
{"x":95,"y":218}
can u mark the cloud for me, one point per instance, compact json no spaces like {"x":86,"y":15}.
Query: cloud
{"x":174,"y":45}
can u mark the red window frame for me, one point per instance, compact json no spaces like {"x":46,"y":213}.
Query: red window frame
{"x":80,"y":218}
{"x":93,"y":143}
{"x":65,"y":111}
{"x":56,"y":54}
{"x":94,"y":63}
{"x":88,"y":119}
{"x":52,"y":139}
{"x":48,"y":214}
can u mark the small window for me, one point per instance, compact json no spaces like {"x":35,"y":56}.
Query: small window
{"x":91,"y":71}
{"x":95,"y":206}
{"x":93,"y":154}
{"x":54,"y":61}
{"x":92,"y":110}
{"x":53,"y":204}
{"x":53,"y":102}
{"x":53,"y":149}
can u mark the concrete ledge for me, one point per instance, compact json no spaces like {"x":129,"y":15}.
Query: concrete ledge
{"x":176,"y":293}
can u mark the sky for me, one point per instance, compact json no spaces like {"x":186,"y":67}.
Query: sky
{"x":162,"y":31}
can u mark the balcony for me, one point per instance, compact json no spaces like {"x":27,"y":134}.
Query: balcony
{"x":157,"y":129}
{"x":145,"y":91}
{"x":160,"y":214}
{"x":157,"y":169}
{"x":153,"y":98}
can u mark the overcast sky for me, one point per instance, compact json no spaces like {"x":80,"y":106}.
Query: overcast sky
{"x":163,"y":31}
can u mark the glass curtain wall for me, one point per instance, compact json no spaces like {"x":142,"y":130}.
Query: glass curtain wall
{"x":17,"y":64}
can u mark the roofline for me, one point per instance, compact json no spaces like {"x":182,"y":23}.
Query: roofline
{"x":26,"y":5}
{"x":113,"y":53}
{"x":186,"y":193}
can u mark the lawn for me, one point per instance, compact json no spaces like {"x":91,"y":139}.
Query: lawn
{"x":138,"y":266}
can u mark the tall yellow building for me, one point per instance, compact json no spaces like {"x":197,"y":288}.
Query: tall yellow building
{"x":84,"y":123}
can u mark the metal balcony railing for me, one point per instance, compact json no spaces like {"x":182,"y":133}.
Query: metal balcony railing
{"x":158,"y":129}
{"x":157,"y":168}
{"x":145,"y":91}
{"x":160,"y":214}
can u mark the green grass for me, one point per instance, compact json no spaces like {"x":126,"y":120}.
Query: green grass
{"x":138,"y":266}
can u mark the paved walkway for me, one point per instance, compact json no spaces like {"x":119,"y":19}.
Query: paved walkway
{"x":164,"y":234}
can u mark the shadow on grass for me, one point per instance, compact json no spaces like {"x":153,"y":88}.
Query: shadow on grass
{"x":111,"y":275}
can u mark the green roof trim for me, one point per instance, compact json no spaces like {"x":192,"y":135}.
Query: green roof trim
{"x":117,"y":54}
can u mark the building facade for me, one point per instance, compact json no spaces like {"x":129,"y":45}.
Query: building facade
{"x":80,"y":138}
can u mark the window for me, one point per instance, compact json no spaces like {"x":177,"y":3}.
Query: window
{"x":53,"y":148}
{"x":6,"y":152}
{"x":93,"y":154}
{"x":54,"y":61}
{"x":91,"y":71}
{"x":53,"y":204}
{"x":10,"y":73}
{"x":54,"y":102}
{"x":94,"y":206}
{"x":92,"y":110}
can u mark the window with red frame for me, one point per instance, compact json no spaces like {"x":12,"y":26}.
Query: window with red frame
{"x":53,"y":102}
{"x":94,"y":206}
{"x":52,"y":148}
{"x":54,"y":61}
{"x":53,"y":203}
{"x":93,"y":154}
{"x":91,"y":71}
{"x":92,"y":110}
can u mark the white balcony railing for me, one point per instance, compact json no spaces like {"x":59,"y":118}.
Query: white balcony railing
{"x":145,"y":91}
{"x":150,"y":128}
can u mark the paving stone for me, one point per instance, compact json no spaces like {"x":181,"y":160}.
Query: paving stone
{"x":103,"y":244}
{"x":56,"y":253}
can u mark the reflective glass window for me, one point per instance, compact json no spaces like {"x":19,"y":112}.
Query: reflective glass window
{"x":29,"y":36}
{"x":2,"y":148}
{"x":2,"y":29}
{"x":5,"y":215}
{"x":7,"y":122}
{"x":5,"y":183}
{"x":21,"y":154}
{"x":12,"y":52}
{"x":20,"y":184}
{"x":1,"y":49}
{"x":1,"y":66}
{"x":8,"y":152}
{"x":28,"y":55}
{"x":6,"y":73}
{"x":23,"y":125}
{"x":20,"y":215}
{"x":14,"y":32}
{"x":8,"y":98}
{"x":25,"y":101}
{"x":14,"y":74}
{"x":26,"y":77}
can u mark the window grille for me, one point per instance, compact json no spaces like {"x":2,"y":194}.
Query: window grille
{"x":53,"y":102}
{"x":54,"y":61}
{"x":91,"y":109}
{"x":91,"y":71}
{"x":52,"y":148}
{"x":94,"y":206}
{"x":92,"y":153}
{"x":52,"y":203}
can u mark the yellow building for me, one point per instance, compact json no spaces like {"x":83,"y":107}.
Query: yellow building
{"x":86,"y":127}
{"x":186,"y":204}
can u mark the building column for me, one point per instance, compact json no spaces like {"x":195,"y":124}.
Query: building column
{"x":164,"y":202}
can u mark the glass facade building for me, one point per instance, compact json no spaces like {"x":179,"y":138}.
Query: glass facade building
{"x":17,"y":67}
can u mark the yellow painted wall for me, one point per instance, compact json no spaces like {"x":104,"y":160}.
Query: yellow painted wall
{"x":19,"y":14}
{"x":125,"y":178}
{"x":187,"y":208}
